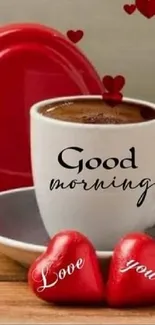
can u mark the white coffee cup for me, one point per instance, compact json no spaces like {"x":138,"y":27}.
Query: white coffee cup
{"x":124,"y":203}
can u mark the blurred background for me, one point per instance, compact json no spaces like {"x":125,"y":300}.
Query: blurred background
{"x":114,"y":41}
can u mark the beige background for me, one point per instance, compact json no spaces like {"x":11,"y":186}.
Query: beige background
{"x":115,"y":42}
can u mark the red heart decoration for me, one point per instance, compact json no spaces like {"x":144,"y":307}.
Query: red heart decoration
{"x":130,"y":9}
{"x":146,"y":7}
{"x":112,"y":99}
{"x":68,"y":271}
{"x":75,"y":36}
{"x":113,"y":84}
{"x":132,"y":272}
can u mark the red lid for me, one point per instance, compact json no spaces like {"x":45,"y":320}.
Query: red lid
{"x":36,"y":63}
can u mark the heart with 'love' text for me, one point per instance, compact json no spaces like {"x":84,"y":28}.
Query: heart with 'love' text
{"x":146,"y":7}
{"x":68,"y":272}
{"x":131,"y":279}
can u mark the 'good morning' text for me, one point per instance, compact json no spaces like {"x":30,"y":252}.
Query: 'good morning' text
{"x":108,"y":164}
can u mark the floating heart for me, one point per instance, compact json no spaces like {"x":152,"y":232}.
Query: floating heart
{"x":146,"y":7}
{"x":75,"y":36}
{"x":112,"y":99}
{"x":68,"y":271}
{"x":113,"y":84}
{"x":132,"y":272}
{"x":130,"y":9}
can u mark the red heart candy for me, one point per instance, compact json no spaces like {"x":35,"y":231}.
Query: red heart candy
{"x":132,"y":272}
{"x":113,"y":84}
{"x":146,"y":7}
{"x":75,"y":36}
{"x":130,"y":9}
{"x":68,"y":272}
{"x":112,"y":99}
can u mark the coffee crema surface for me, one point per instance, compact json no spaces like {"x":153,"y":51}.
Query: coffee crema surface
{"x":97,"y":111}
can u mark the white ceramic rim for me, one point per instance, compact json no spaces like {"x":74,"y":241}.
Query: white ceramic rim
{"x":35,"y":114}
{"x":32,"y":247}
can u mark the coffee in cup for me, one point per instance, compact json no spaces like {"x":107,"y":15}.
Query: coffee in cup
{"x":97,"y":111}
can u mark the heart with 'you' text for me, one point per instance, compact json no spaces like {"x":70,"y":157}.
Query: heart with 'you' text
{"x":132,"y":272}
{"x":69,"y":272}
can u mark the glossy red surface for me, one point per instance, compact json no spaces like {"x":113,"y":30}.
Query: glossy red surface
{"x":36,"y":63}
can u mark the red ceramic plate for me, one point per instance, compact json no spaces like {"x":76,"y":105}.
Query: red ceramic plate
{"x":36,"y":63}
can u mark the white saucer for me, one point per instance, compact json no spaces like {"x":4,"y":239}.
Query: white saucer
{"x":22,"y":234}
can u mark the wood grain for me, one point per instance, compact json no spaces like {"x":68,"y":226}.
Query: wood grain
{"x":18,"y":305}
{"x":11,"y":271}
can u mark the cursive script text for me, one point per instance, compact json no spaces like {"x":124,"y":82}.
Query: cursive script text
{"x":139,"y":268}
{"x":108,"y":164}
{"x":58,"y":276}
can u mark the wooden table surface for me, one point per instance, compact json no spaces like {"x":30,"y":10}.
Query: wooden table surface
{"x":19,"y":306}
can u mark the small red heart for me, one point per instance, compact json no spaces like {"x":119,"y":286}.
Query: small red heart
{"x":146,"y":7}
{"x":132,"y":272}
{"x":113,"y":84}
{"x":75,"y":36}
{"x":68,"y":272}
{"x":112,"y":99}
{"x":130,"y":9}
